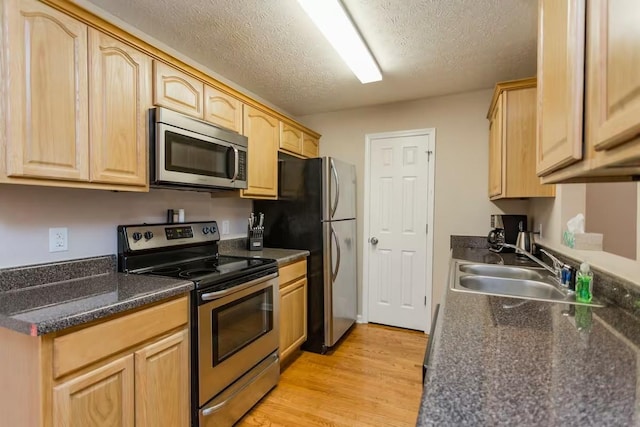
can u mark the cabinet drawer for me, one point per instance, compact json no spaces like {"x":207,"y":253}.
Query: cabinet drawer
{"x":78,"y":349}
{"x":292,"y":271}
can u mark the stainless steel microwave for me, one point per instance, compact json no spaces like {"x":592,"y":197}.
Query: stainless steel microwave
{"x":192,"y":154}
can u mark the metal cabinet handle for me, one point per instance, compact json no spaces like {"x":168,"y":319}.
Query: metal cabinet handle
{"x":335,"y":202}
{"x":334,"y":274}
{"x":374,"y":241}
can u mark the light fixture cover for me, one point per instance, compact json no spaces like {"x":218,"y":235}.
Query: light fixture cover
{"x":332,"y":20}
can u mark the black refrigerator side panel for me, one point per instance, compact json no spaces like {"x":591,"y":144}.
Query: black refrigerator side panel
{"x":294,"y":221}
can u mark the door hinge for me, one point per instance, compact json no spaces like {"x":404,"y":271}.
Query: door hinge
{"x":427,"y":229}
{"x":425,"y":300}
{"x":429,"y":153}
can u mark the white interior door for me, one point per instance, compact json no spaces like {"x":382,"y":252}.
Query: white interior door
{"x":397,"y":241}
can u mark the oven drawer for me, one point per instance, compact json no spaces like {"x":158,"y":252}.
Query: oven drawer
{"x":230,"y":405}
{"x":77,"y":349}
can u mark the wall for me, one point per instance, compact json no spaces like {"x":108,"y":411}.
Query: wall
{"x":553,"y":214}
{"x":462,"y":131}
{"x":611,"y":210}
{"x":91,"y":216}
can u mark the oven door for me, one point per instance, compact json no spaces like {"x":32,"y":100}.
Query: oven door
{"x":237,"y":328}
{"x":188,"y":158}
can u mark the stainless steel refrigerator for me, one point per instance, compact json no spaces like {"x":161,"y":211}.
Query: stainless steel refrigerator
{"x":316,"y":211}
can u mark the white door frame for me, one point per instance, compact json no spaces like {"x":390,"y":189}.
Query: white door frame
{"x":431,"y":144}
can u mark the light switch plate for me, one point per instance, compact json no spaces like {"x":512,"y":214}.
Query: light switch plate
{"x":225,"y":228}
{"x":58,"y":239}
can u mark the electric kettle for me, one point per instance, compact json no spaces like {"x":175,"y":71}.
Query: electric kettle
{"x":525,"y":240}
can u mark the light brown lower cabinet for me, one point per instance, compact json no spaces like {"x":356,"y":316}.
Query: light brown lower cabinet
{"x":102,"y":396}
{"x":60,"y":380}
{"x":293,"y":307}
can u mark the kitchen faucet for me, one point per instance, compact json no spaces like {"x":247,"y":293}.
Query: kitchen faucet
{"x":557,"y":264}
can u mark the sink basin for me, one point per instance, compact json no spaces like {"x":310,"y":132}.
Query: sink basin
{"x":510,"y":281}
{"x":501,"y":271}
{"x":511,"y":287}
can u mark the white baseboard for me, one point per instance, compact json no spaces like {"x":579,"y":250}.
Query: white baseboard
{"x":360,"y":319}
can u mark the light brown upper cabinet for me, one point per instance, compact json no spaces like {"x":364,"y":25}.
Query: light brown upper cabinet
{"x":222,"y":109}
{"x":263,"y":132}
{"x":290,"y":138}
{"x":47,"y":127}
{"x":609,"y":110}
{"x":495,"y":149}
{"x":512,"y":142}
{"x":119,"y":99}
{"x":77,"y":103}
{"x":560,"y":84}
{"x":178,"y":91}
{"x":310,"y":146}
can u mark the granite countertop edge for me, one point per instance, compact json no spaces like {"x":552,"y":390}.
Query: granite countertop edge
{"x":38,"y":328}
{"x":61,"y":321}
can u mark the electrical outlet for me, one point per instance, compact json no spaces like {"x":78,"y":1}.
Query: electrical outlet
{"x":225,"y":228}
{"x":58,"y":239}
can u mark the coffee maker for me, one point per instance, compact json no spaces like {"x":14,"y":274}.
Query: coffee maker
{"x":505,"y":229}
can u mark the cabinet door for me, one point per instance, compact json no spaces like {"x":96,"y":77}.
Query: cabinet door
{"x":47,"y":129}
{"x":290,"y":138}
{"x":561,"y":25}
{"x":519,"y":147}
{"x":495,"y":150}
{"x":174,"y":89}
{"x":119,"y":98}
{"x":310,"y":146}
{"x":101,"y":397}
{"x":262,"y":131}
{"x":222,"y":109}
{"x":613,"y":80}
{"x":162,"y":382}
{"x":293,"y":317}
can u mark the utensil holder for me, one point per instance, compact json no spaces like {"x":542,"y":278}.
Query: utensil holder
{"x":254,"y":244}
{"x":254,"y":241}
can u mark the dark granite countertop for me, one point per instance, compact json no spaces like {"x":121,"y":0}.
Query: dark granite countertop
{"x":495,"y":362}
{"x":283,"y":256}
{"x":30,"y":305}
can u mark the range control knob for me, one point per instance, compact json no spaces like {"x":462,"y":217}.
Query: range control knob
{"x":136,"y":236}
{"x":213,"y":229}
{"x":148,"y":235}
{"x":205,"y":230}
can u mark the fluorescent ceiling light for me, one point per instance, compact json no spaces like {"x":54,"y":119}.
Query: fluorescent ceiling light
{"x":334,"y":23}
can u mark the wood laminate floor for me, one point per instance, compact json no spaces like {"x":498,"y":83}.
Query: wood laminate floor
{"x":373,"y":378}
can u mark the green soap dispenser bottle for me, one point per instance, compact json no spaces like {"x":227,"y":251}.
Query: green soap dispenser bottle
{"x":584,"y":284}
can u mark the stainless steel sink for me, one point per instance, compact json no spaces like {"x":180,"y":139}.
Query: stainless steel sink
{"x":512,"y":287}
{"x":509,"y":281}
{"x":501,"y":271}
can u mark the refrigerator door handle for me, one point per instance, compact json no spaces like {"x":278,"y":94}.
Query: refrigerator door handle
{"x":334,"y":171}
{"x":334,"y":274}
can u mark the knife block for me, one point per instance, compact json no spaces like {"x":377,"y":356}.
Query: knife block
{"x":254,"y":244}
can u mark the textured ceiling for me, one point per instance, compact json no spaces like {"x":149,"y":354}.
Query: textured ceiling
{"x":270,"y":47}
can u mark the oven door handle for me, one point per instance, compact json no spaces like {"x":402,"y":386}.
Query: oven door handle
{"x":210,"y":296}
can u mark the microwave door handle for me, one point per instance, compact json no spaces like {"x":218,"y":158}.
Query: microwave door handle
{"x":236,"y":163}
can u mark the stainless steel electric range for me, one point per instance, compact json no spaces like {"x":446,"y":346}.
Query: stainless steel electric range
{"x":234,"y":313}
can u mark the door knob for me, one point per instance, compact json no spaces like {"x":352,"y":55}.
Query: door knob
{"x":374,"y":241}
